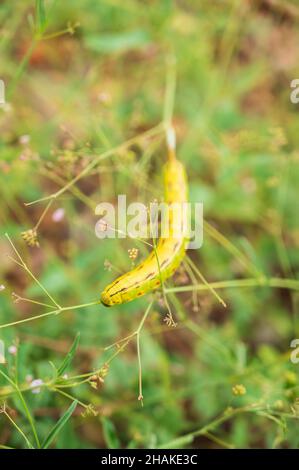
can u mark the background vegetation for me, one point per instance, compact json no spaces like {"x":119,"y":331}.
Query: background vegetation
{"x":87,"y":87}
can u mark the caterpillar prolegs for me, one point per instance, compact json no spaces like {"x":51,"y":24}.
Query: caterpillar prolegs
{"x":166,"y":258}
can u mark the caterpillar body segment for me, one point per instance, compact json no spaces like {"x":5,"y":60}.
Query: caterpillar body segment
{"x":170,"y":249}
{"x":136,"y":283}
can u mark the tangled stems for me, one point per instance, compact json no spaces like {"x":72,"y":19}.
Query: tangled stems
{"x":108,"y":153}
{"x":57,"y":383}
{"x":260,"y":281}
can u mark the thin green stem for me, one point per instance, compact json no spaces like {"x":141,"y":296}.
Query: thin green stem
{"x":169,"y":91}
{"x":29,"y":445}
{"x":250,"y":282}
{"x":223,"y":241}
{"x":108,"y":153}
{"x":205,"y":282}
{"x":69,"y":30}
{"x":67,"y":395}
{"x":43,"y":214}
{"x":21,"y":68}
{"x":53,"y":312}
{"x":125,"y":341}
{"x":27,"y":412}
{"x":25,"y":267}
{"x":18,"y":298}
{"x":169,"y":317}
{"x":189,"y":438}
{"x":140,"y":395}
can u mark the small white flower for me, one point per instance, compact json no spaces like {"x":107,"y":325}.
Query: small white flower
{"x":58,"y":215}
{"x":104,"y":97}
{"x":2,"y":287}
{"x":13,"y":349}
{"x":36,"y":384}
{"x":65,"y":376}
{"x":24,"y":139}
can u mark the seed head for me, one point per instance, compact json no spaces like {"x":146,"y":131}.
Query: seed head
{"x":30,"y":237}
{"x":169,"y":321}
{"x":239,"y":390}
{"x":133,"y":253}
{"x":89,"y":411}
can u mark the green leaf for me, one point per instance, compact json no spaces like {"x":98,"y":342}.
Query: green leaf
{"x":59,"y":425}
{"x":40,"y":14}
{"x":122,"y":42}
{"x":109,"y":432}
{"x":69,"y":357}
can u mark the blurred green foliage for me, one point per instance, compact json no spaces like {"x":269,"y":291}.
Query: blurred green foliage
{"x":82,"y":77}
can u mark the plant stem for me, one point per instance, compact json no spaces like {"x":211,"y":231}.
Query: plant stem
{"x":53,"y":312}
{"x":27,"y":412}
{"x":189,"y":438}
{"x":151,"y":132}
{"x":250,"y":282}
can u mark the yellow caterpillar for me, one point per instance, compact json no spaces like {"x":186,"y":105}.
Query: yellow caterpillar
{"x":166,"y":258}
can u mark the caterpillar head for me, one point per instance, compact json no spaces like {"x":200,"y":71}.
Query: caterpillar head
{"x":110,"y":298}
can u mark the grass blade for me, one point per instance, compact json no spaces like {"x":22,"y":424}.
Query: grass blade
{"x":59,"y":425}
{"x":40,"y":15}
{"x":69,"y":357}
